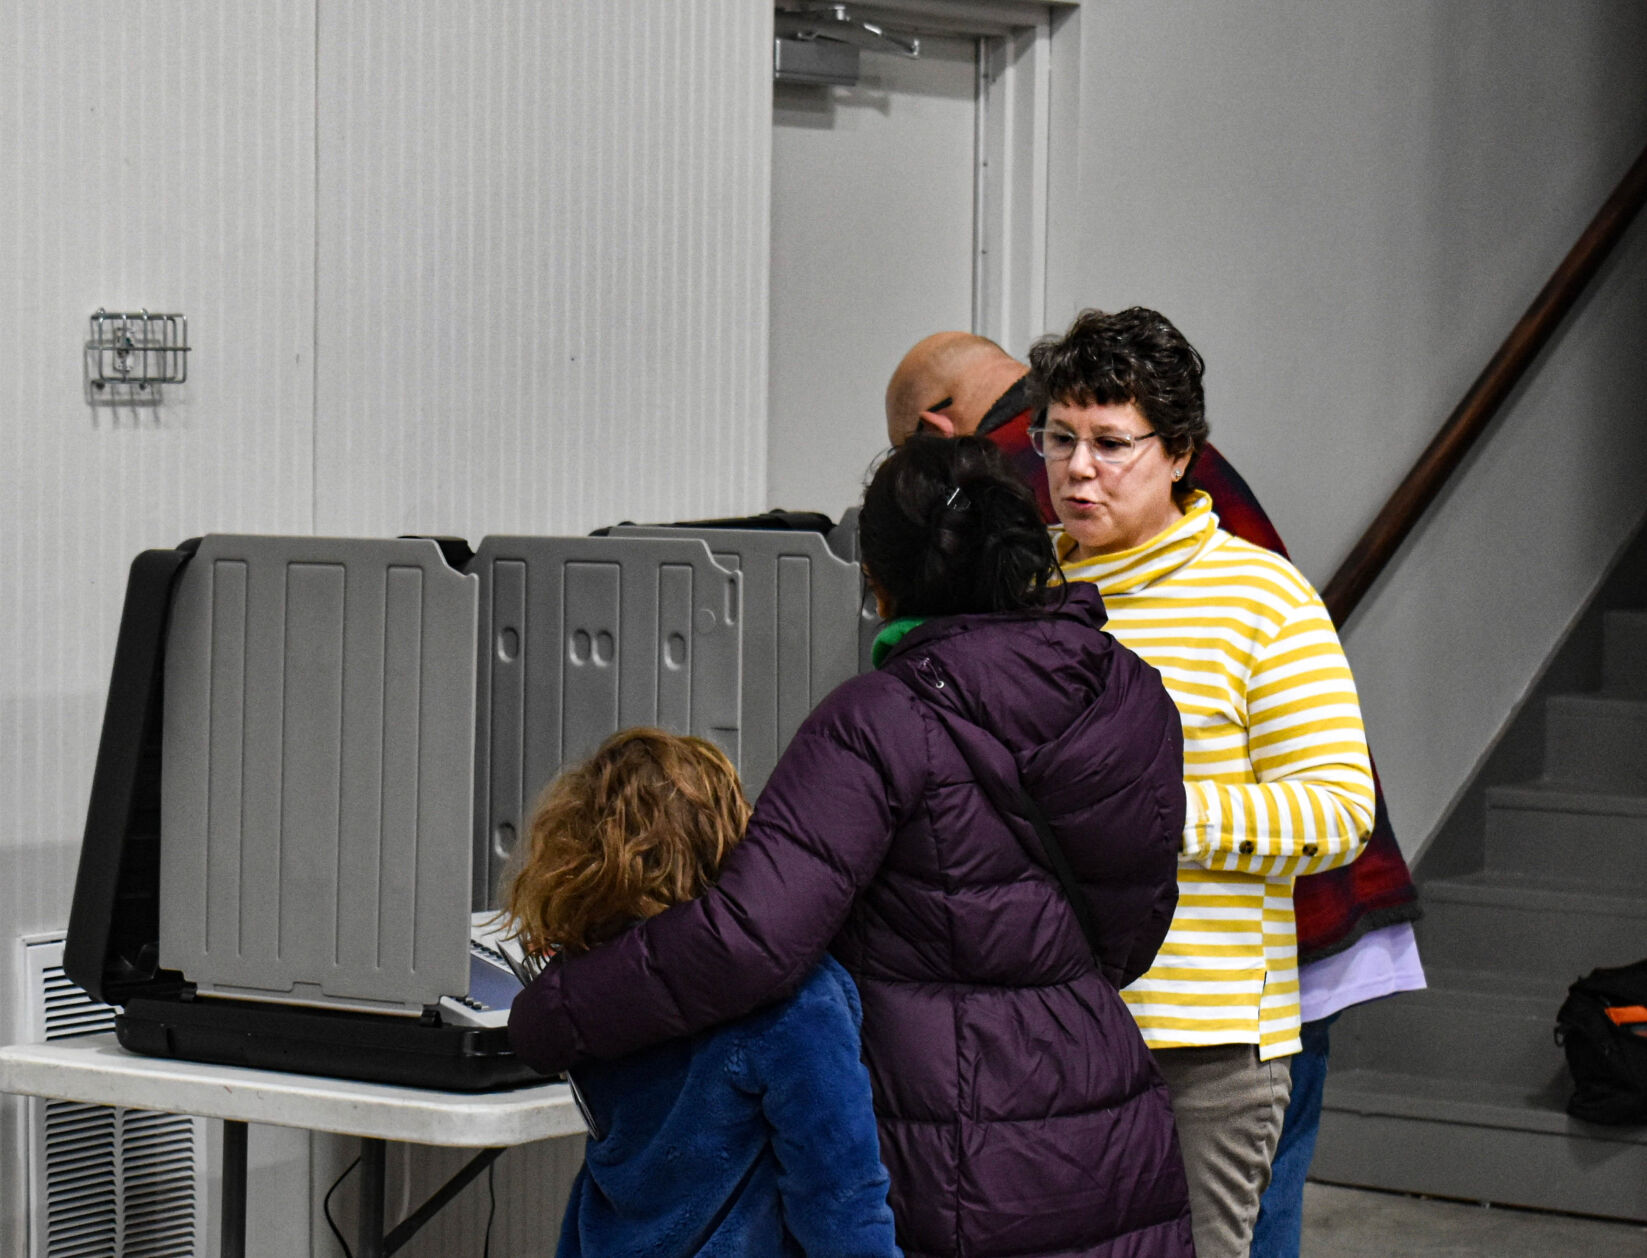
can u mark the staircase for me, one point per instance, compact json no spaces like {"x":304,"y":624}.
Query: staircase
{"x":1458,"y":1091}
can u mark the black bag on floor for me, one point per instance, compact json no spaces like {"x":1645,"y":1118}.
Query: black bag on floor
{"x":1602,"y":1025}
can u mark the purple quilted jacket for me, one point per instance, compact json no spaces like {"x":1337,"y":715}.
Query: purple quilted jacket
{"x":1020,"y":1112}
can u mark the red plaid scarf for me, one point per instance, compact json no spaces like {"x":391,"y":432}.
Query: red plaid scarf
{"x":1336,"y":907}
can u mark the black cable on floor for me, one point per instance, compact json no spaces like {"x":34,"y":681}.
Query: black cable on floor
{"x":326,"y":1208}
{"x":491,"y":1210}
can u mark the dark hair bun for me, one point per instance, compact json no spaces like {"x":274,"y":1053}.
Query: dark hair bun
{"x":947,"y":528}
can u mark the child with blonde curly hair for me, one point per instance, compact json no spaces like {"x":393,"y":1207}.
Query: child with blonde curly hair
{"x":756,"y":1137}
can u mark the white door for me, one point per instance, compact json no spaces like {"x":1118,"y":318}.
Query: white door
{"x":911,"y":203}
{"x":873,"y":197}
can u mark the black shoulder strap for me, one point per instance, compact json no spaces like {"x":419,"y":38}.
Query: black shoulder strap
{"x":1011,"y":799}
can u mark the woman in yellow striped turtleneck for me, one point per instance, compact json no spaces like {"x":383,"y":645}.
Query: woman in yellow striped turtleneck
{"x":1276,"y":774}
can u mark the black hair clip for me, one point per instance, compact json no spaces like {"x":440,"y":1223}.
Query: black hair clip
{"x":957,"y":501}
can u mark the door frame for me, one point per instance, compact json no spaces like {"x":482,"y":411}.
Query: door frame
{"x":1010,"y":178}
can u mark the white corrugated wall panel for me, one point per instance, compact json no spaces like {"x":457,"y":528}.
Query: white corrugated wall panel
{"x":542,"y":307}
{"x":528,"y":243}
{"x":158,"y":157}
{"x":164,"y":163}
{"x":542,"y":264}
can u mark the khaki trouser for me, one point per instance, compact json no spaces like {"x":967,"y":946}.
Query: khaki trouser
{"x":1228,"y":1106}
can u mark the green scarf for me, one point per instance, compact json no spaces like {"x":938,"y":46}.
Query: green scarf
{"x":890,"y":635}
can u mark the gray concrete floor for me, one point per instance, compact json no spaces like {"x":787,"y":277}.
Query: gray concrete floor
{"x":1355,"y":1223}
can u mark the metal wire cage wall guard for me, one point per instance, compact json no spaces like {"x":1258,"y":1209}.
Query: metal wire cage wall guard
{"x":129,"y":356}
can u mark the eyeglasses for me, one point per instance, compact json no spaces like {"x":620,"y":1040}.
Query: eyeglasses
{"x":1056,"y":445}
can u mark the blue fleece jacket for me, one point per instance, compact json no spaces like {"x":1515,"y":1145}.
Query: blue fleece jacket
{"x":756,"y":1138}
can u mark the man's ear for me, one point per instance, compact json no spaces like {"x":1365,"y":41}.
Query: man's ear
{"x":936,"y":423}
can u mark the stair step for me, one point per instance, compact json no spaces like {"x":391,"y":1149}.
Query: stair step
{"x":1459,"y":1090}
{"x":1551,"y":831}
{"x":1624,"y":652}
{"x":1597,"y":740}
{"x":1499,"y":984}
{"x":1539,"y":928}
{"x":1478,"y":1141}
{"x":1479,"y":1102}
{"x":1462,"y":1027}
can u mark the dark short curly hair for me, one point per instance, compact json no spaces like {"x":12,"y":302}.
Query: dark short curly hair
{"x":1135,"y":356}
{"x":947,"y":527}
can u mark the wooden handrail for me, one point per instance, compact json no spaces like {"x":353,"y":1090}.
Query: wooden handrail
{"x":1367,"y":559}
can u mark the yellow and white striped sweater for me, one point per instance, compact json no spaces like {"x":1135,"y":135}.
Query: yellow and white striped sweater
{"x":1276,"y":774}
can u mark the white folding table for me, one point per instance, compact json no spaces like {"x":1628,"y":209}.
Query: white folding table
{"x":95,"y":1070}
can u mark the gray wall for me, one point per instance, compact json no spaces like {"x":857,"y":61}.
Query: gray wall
{"x":1346,"y":208}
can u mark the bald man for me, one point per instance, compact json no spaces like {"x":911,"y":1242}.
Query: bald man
{"x":955,"y":383}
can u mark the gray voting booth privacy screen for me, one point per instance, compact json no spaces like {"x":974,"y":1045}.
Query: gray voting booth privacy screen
{"x":355,"y":732}
{"x":799,"y":629}
{"x":585,"y":636}
{"x":317,"y":764}
{"x":730,"y":634}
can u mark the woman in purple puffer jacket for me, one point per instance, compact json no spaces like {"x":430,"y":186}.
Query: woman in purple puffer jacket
{"x":1020,"y":1112}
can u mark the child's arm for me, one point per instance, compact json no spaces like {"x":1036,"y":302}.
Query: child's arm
{"x":819,"y":832}
{"x":816,"y":1097}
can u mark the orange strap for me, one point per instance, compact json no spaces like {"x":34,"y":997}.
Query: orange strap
{"x":1627,"y":1015}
